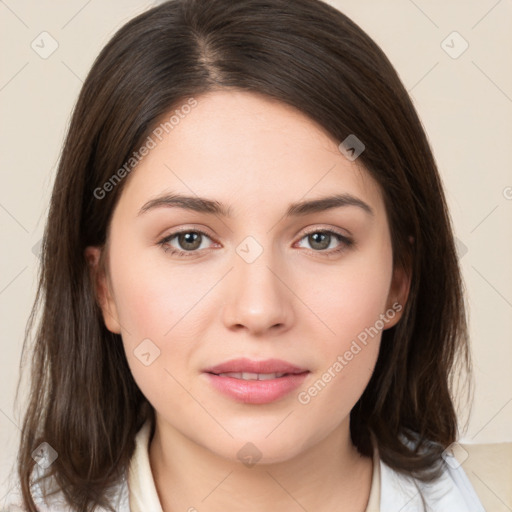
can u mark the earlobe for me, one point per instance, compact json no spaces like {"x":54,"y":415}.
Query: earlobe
{"x":104,"y":296}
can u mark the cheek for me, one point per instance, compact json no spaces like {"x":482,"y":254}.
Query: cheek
{"x":334,"y":391}
{"x":163,"y":303}
{"x":351,"y":297}
{"x":152,"y":306}
{"x":151,"y":295}
{"x":347,"y":356}
{"x":144,"y":304}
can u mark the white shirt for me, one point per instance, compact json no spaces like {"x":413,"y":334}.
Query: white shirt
{"x":390,"y":490}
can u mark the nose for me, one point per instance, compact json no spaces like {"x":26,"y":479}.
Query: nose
{"x":258,"y":300}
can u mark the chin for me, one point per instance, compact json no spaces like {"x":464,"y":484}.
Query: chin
{"x":259,"y":448}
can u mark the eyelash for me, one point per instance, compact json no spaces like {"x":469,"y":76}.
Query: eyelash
{"x":346,"y":243}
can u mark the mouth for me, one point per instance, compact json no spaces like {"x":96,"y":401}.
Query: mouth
{"x":255,"y":382}
{"x":249,"y":367}
{"x":253,"y":376}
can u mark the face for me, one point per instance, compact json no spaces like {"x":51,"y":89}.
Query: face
{"x":264,"y":272}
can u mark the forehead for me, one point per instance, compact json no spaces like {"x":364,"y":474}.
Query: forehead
{"x":247,"y":150}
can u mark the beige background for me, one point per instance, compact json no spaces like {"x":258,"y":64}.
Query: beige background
{"x":465,"y":104}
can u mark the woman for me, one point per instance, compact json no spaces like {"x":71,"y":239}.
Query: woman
{"x":250,"y":292}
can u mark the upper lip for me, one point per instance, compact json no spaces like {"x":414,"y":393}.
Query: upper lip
{"x":244,"y":365}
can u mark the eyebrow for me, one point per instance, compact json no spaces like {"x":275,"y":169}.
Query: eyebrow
{"x":203,"y":205}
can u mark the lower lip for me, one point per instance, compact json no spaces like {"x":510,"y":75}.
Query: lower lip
{"x":257,"y":391}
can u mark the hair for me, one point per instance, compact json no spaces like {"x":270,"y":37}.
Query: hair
{"x":305,"y":54}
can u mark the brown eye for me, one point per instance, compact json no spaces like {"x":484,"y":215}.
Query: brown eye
{"x":321,"y":241}
{"x":190,"y":240}
{"x":186,"y":243}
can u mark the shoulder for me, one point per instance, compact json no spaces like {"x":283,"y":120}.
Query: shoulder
{"x":56,"y":501}
{"x":451,"y":491}
{"x":466,"y":470}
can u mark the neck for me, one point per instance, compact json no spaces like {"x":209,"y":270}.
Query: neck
{"x":331,"y":475}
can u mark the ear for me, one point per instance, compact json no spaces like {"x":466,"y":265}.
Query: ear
{"x":398,"y":294}
{"x":102,"y":289}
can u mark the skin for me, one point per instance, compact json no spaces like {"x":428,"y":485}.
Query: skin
{"x":255,"y":156}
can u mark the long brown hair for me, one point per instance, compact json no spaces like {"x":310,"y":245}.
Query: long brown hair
{"x":84,"y":401}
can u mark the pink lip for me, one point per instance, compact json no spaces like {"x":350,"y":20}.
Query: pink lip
{"x":250,"y":366}
{"x":256,"y":391}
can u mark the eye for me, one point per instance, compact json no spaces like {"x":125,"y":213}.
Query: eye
{"x":190,"y":242}
{"x":327,"y":241}
{"x":184,"y":243}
